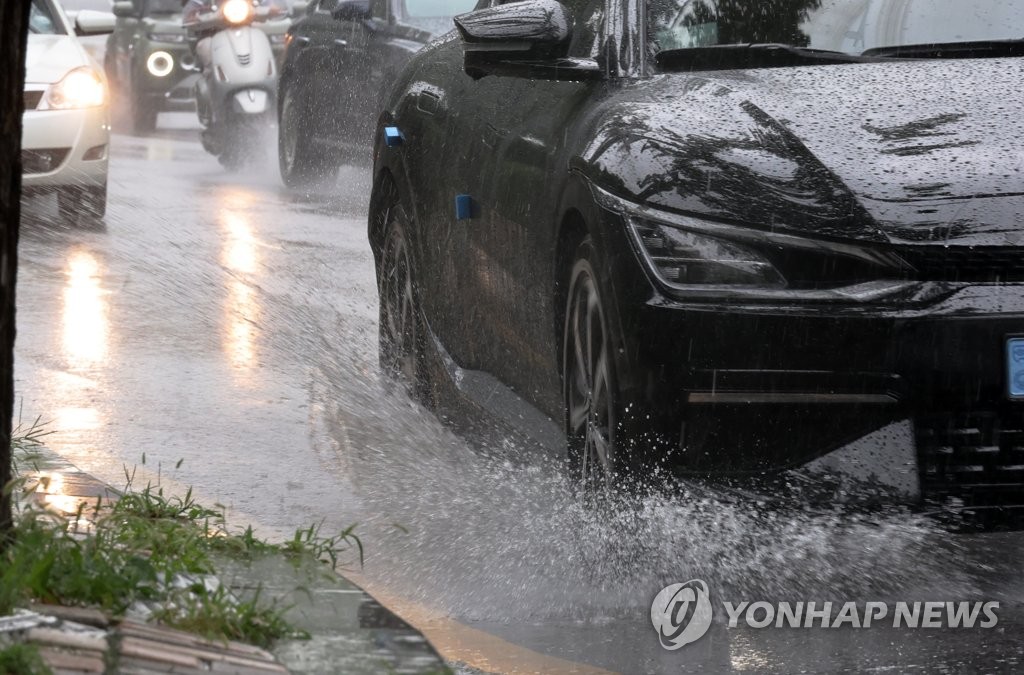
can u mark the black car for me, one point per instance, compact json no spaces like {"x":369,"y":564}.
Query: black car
{"x":340,"y":60}
{"x":148,"y":60}
{"x":729,"y":239}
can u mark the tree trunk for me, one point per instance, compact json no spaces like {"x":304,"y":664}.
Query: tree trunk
{"x":13,"y":35}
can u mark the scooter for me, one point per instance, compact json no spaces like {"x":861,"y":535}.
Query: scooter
{"x":236,"y":96}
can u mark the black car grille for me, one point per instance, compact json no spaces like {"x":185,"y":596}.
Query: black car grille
{"x":32,"y":99}
{"x":42,"y":161}
{"x":996,"y":264}
{"x":972,"y":460}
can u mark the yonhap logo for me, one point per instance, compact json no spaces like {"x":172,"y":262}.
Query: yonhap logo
{"x":681,"y":613}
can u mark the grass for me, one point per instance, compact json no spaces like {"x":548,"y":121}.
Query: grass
{"x":151,"y":548}
{"x":22,"y":659}
{"x":26,"y":442}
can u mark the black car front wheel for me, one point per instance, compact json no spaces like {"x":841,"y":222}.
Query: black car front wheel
{"x":301,"y":162}
{"x":588,"y":377}
{"x":401,"y":335}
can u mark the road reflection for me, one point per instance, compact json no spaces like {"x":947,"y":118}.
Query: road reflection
{"x":85,"y":323}
{"x":85,"y":344}
{"x":53,"y":493}
{"x":240,"y":256}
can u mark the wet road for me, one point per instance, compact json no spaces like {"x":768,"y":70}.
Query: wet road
{"x":220,"y":321}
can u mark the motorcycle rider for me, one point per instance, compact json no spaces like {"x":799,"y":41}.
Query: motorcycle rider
{"x":191,"y":19}
{"x":194,"y":8}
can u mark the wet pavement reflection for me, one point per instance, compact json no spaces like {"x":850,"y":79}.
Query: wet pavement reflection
{"x":220,"y":321}
{"x":241,"y":308}
{"x":85,"y":313}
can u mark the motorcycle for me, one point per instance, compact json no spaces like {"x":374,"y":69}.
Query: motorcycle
{"x":236,"y":94}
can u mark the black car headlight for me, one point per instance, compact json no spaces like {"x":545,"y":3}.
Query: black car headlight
{"x":681,"y":258}
{"x":693,"y":258}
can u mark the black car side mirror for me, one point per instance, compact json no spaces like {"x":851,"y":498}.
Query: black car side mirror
{"x":351,"y":10}
{"x":524,"y":39}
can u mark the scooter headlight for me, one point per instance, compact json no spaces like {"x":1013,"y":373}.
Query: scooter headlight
{"x":237,"y":11}
{"x":81,"y":88}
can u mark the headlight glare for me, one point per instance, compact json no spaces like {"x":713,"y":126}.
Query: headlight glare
{"x":681,"y":258}
{"x":160,"y":64}
{"x":81,"y":88}
{"x":237,"y":11}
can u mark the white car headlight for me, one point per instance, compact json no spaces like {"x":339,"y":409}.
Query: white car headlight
{"x":81,"y":88}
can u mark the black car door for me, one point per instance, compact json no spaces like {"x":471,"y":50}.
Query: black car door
{"x":312,"y":66}
{"x":516,"y":180}
{"x":440,"y":149}
{"x":348,"y":66}
{"x":387,"y":45}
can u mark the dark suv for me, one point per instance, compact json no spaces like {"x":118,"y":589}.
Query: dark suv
{"x":149,"y":60}
{"x":339,"y":62}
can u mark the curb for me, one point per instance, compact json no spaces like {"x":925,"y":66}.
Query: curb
{"x":349,"y":630}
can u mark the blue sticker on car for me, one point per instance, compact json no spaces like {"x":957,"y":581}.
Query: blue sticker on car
{"x":463,"y":207}
{"x":393,"y":137}
{"x":1015,"y":366}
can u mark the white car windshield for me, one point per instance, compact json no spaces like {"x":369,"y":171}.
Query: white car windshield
{"x":850,"y":26}
{"x":42,"y":19}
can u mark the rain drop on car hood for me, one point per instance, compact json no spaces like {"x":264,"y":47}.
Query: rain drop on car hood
{"x":903,"y":150}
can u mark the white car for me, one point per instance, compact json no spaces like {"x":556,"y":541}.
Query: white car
{"x":66,"y":125}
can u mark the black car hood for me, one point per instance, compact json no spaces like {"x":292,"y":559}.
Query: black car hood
{"x":910,"y":151}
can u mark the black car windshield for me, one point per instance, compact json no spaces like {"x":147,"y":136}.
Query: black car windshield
{"x":163,"y":6}
{"x":43,"y":20}
{"x":849,"y":26}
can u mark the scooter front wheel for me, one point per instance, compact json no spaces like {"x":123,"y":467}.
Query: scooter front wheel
{"x":243,"y":143}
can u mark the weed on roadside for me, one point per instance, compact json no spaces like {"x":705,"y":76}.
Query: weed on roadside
{"x":142,"y":551}
{"x":26,"y":441}
{"x":22,"y":659}
{"x":217,"y":614}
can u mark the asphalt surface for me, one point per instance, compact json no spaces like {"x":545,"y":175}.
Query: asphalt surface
{"x":219,"y":321}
